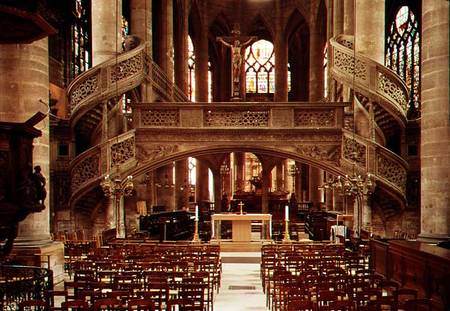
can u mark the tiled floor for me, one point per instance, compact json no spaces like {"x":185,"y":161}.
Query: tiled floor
{"x":241,"y":284}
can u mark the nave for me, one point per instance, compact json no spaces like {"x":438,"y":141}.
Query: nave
{"x":147,"y":275}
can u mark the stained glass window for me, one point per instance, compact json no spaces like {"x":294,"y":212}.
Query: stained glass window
{"x":124,"y":31}
{"x":403,"y":53}
{"x":80,"y":29}
{"x":259,"y":67}
{"x":191,"y":73}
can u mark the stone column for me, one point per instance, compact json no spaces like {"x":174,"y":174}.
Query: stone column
{"x":435,"y":130}
{"x":279,"y":171}
{"x":201,"y":65}
{"x":25,"y":85}
{"x":328,"y":196}
{"x":298,"y":182}
{"x":165,"y":187}
{"x":166,"y":44}
{"x":217,"y":187}
{"x":106,"y":26}
{"x":181,"y":184}
{"x":316,"y":73}
{"x":281,"y":57}
{"x":202,"y":182}
{"x":315,"y":180}
{"x":181,"y":45}
{"x":349,"y":17}
{"x":369,"y":29}
{"x":141,"y":21}
{"x":141,"y":26}
{"x":25,"y":82}
{"x":239,"y":160}
{"x":366,"y":211}
{"x":338,"y":17}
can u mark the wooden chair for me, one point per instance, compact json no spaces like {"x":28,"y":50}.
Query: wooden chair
{"x":33,"y":305}
{"x":140,"y":305}
{"x":403,"y":295}
{"x":74,"y":305}
{"x":339,"y":305}
{"x":326,"y":297}
{"x":108,"y":304}
{"x":422,"y":304}
{"x":301,"y":305}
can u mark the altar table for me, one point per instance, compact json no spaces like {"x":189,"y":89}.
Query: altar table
{"x":241,"y":225}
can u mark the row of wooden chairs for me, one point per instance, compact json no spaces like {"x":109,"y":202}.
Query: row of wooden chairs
{"x":327,"y":278}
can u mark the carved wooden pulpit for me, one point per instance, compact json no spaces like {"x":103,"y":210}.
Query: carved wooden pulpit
{"x":22,"y":191}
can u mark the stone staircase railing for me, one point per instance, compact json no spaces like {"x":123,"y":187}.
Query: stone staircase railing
{"x":363,"y":155}
{"x":115,"y":77}
{"x":382,"y":85}
{"x":88,"y":168}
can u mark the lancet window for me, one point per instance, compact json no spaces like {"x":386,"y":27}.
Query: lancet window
{"x":403,"y":52}
{"x":80,"y":29}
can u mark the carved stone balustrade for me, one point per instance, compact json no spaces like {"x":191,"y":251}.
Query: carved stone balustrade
{"x":300,"y":115}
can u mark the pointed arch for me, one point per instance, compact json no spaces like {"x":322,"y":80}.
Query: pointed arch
{"x":297,"y":32}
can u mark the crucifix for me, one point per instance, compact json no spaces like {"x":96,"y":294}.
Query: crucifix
{"x":241,"y":205}
{"x":237,"y":43}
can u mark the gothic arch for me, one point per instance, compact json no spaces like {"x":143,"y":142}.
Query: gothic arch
{"x":204,"y":151}
{"x":297,"y":32}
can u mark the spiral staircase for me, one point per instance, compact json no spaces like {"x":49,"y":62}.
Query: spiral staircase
{"x":378,"y":90}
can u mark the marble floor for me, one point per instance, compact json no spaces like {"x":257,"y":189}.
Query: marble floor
{"x":241,"y":288}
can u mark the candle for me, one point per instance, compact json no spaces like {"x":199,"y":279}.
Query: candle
{"x":286,"y":213}
{"x":196,"y":213}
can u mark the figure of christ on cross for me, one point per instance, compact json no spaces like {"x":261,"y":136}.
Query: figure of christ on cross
{"x":237,"y":43}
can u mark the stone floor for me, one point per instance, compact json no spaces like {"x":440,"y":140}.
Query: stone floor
{"x":241,"y":283}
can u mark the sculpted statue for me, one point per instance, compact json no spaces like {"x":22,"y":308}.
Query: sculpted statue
{"x":237,"y":43}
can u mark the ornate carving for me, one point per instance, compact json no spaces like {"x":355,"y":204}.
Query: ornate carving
{"x":314,"y":118}
{"x":320,"y":152}
{"x":354,"y":151}
{"x":345,"y":42}
{"x":127,"y":68}
{"x":392,"y":171}
{"x":83,"y":90}
{"x":154,"y":153}
{"x":161,"y":117}
{"x":391,"y":89}
{"x":346,"y":63}
{"x":122,"y":151}
{"x":85,"y":170}
{"x":233,"y":118}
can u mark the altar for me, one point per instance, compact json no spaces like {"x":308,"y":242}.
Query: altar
{"x":241,"y":227}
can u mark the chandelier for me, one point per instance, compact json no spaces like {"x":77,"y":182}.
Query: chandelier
{"x":353,"y":185}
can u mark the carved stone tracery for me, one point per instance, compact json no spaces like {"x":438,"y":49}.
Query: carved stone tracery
{"x":83,"y":90}
{"x":321,"y":152}
{"x":154,"y":152}
{"x":85,"y":170}
{"x":314,"y":118}
{"x":127,"y":68}
{"x":355,"y":151}
{"x":233,"y":118}
{"x":346,"y":63}
{"x":393,"y":172}
{"x":391,"y":89}
{"x":161,"y":117}
{"x":122,"y":151}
